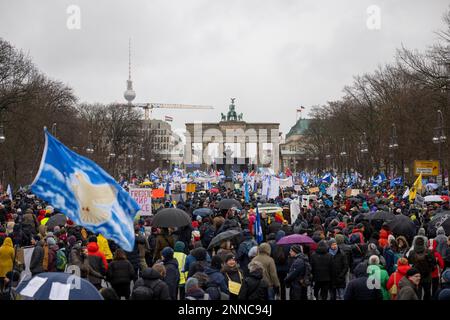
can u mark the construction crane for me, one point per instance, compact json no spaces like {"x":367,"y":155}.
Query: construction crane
{"x":148,"y":107}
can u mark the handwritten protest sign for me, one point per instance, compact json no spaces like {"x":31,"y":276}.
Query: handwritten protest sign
{"x":143,"y":197}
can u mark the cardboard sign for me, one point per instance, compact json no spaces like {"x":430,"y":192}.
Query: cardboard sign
{"x":313,"y":190}
{"x":157,"y":193}
{"x":190,"y":187}
{"x":143,"y":197}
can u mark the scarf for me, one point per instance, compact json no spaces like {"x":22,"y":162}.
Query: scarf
{"x":332,"y":252}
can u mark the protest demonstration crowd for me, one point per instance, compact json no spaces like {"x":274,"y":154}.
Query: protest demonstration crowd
{"x":292,"y":236}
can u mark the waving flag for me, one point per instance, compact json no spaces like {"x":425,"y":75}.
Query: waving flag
{"x":258,"y":228}
{"x":327,"y":177}
{"x":304,"y":178}
{"x":379,"y":180}
{"x":9,"y":192}
{"x":396,"y":182}
{"x":86,"y":193}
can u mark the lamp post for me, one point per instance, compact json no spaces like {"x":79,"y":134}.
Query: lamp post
{"x":364,"y":151}
{"x":54,"y":129}
{"x":2,"y":130}
{"x":90,"y":147}
{"x":343,"y":155}
{"x":440,"y":138}
{"x":130,"y":159}
{"x":393,"y":145}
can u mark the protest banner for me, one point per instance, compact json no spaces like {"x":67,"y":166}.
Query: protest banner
{"x":143,"y":197}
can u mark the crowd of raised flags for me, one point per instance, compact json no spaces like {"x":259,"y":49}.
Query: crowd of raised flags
{"x":73,"y":183}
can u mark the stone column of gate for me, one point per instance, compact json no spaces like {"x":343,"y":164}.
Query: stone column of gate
{"x":188,"y":148}
{"x":275,"y":140}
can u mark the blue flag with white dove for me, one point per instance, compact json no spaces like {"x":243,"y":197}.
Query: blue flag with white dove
{"x":85,"y":193}
{"x":396,"y":182}
{"x":379,"y":179}
{"x":258,"y":227}
{"x":327,"y":177}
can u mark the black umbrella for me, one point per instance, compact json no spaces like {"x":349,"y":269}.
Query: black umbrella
{"x":171,"y":217}
{"x":223,"y":236}
{"x":382,"y":215}
{"x":57,"y":220}
{"x":203,"y":212}
{"x":226,"y":204}
{"x":403,"y":226}
{"x":440,"y":220}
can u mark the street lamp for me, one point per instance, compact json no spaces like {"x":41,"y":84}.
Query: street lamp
{"x":54,"y":129}
{"x":393,"y":145}
{"x":2,"y":134}
{"x":440,"y":138}
{"x":364,"y":145}
{"x":90,"y":148}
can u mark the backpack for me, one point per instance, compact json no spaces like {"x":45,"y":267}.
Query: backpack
{"x":425,"y":262}
{"x":143,"y":293}
{"x":61,"y":260}
{"x":306,"y":281}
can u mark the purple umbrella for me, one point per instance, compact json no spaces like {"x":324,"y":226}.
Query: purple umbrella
{"x":296,"y":239}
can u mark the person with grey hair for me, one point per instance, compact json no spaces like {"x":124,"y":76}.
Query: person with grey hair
{"x":378,"y":275}
{"x":193,"y":290}
{"x":254,"y":287}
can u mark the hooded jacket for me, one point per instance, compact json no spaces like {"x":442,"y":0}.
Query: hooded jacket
{"x":322,"y":263}
{"x":150,"y":279}
{"x":407,"y":290}
{"x":217,"y":277}
{"x":172,"y":277}
{"x":37,"y":259}
{"x":93,"y":250}
{"x":120,"y":272}
{"x":254,"y":287}
{"x":6,"y":257}
{"x":441,"y":240}
{"x":396,"y":277}
{"x":103,"y":246}
{"x":270,"y":270}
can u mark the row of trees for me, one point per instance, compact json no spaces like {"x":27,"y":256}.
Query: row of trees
{"x":357,"y":130}
{"x":29,"y":100}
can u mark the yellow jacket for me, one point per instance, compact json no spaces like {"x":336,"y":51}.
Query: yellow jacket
{"x":103,"y":246}
{"x":6,"y":257}
{"x":181,"y":258}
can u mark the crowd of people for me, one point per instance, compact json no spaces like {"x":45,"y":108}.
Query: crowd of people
{"x":352,"y":257}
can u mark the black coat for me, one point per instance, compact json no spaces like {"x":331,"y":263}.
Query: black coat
{"x":97,"y":265}
{"x":172,"y":277}
{"x":120,"y":272}
{"x":150,"y":279}
{"x":134,"y":257}
{"x":296,"y":272}
{"x":254,"y":287}
{"x":357,"y":289}
{"x":339,"y":269}
{"x":322,"y":264}
{"x":37,"y":259}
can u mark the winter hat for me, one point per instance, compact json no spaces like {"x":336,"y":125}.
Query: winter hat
{"x":216,"y":262}
{"x":195,"y":224}
{"x":402,"y":262}
{"x":179,"y":246}
{"x":56,"y":229}
{"x":253,"y":252}
{"x":411,"y":272}
{"x":372,"y":247}
{"x":229,"y":257}
{"x":340,"y":239}
{"x":331,"y":241}
{"x":51,"y":241}
{"x":440,"y":230}
{"x":297,"y":248}
{"x":167,"y":253}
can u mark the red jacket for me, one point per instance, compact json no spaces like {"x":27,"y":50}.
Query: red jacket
{"x":432,"y":244}
{"x":383,"y":241}
{"x":360,"y":234}
{"x":397,"y":276}
{"x":93,"y":251}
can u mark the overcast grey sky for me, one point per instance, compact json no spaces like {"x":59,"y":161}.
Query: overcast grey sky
{"x":272,"y":55}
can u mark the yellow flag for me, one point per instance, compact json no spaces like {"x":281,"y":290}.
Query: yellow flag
{"x":417,"y":186}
